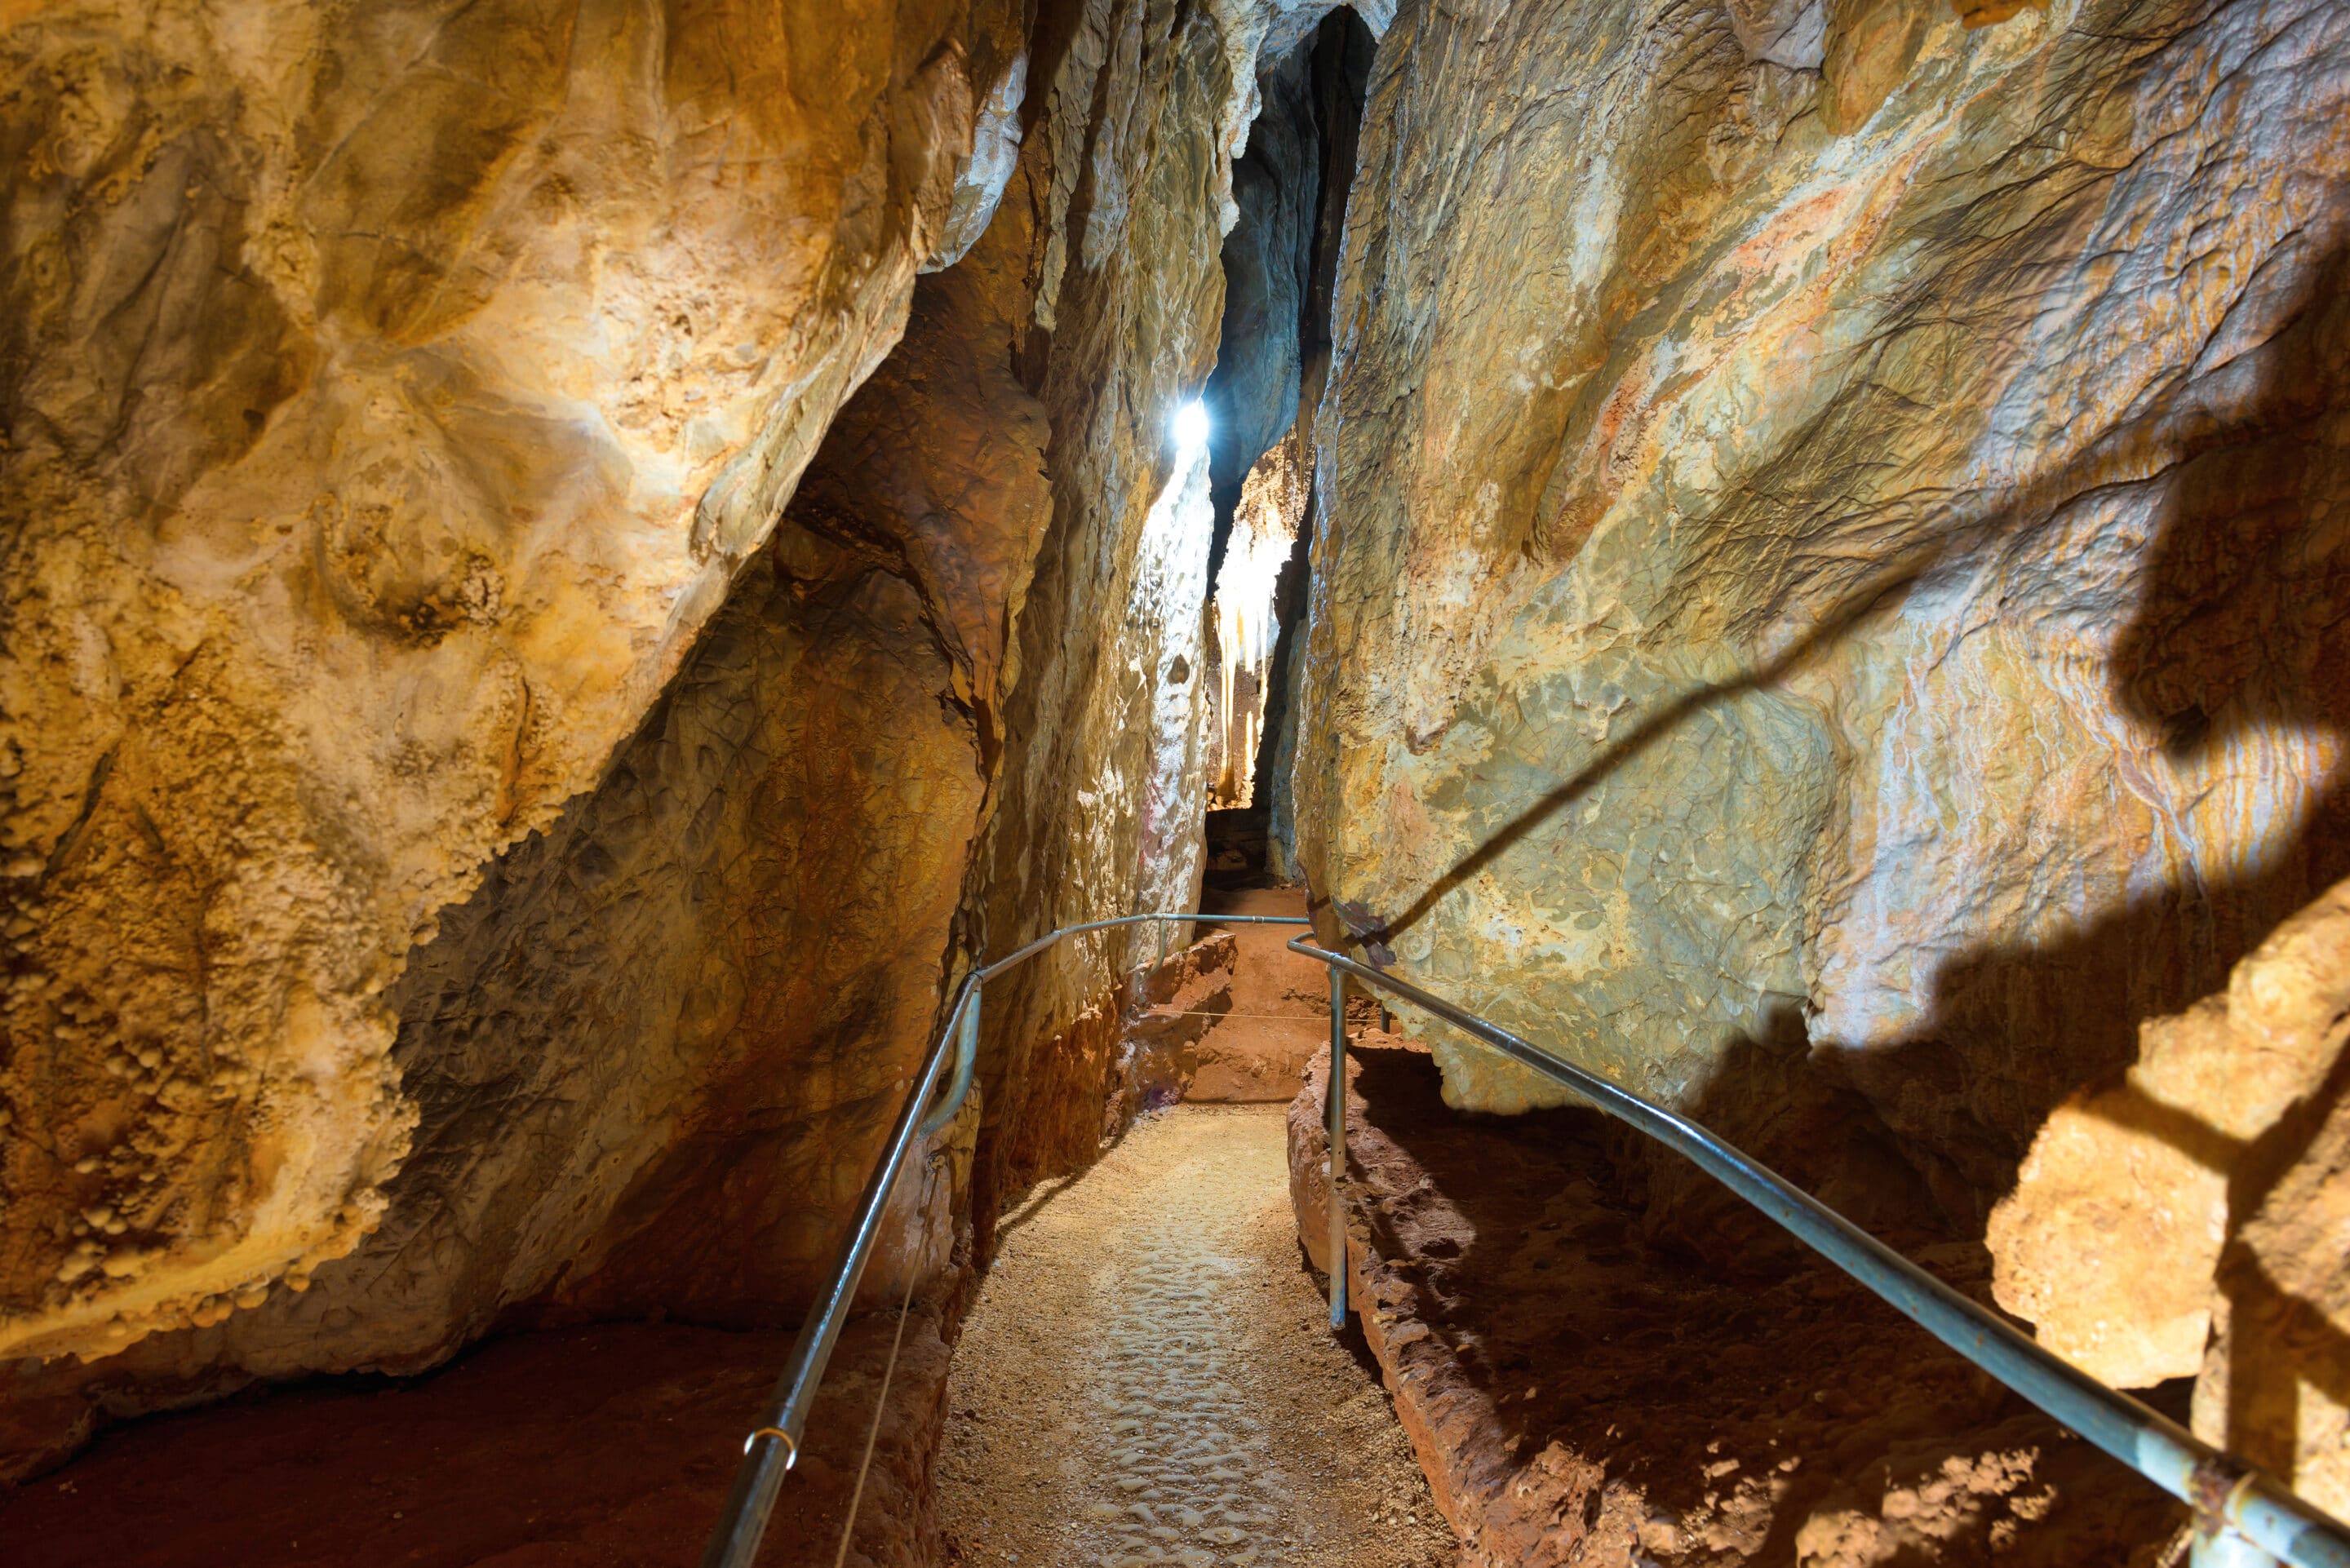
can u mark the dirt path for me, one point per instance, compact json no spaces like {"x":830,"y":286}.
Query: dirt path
{"x":1148,"y":1378}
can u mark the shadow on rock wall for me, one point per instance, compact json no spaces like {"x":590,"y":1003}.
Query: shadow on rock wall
{"x":2241,"y":627}
{"x":2240,"y":633}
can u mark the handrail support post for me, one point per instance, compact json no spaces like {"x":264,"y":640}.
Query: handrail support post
{"x":1337,"y":1169}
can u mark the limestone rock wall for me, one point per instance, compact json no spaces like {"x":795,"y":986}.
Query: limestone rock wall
{"x":1103,"y":793}
{"x":841,"y":732}
{"x":392,"y":393}
{"x":1829,"y":537}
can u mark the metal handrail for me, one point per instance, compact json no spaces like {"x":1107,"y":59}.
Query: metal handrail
{"x":2234,"y":1501}
{"x":773,"y":1446}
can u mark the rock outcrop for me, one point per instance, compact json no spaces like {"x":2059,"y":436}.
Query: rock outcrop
{"x":2187,"y":1220}
{"x":391,"y":395}
{"x":1832,"y":514}
{"x":2111,"y":1241}
{"x":1585,"y":1386}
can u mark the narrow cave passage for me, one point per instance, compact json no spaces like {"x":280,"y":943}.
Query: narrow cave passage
{"x":577,"y":582}
{"x":1281,"y":263}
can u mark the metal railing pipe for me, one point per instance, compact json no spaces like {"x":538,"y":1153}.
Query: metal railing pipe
{"x":773,"y":1446}
{"x":1337,"y":1138}
{"x":2228,"y":1494}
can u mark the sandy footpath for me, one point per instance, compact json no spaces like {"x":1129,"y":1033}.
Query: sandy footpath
{"x":1149,"y":1376}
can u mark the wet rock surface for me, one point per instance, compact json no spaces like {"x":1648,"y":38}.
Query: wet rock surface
{"x":1584,"y":1386}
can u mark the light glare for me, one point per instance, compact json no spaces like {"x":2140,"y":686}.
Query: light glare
{"x":1191,"y":423}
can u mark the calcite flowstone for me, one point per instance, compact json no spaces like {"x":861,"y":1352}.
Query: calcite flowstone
{"x":392,"y":393}
{"x":1833,"y":516}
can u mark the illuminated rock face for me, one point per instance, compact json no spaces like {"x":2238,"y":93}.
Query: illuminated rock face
{"x":1841,"y":566}
{"x":444,"y":575}
{"x":392,"y":393}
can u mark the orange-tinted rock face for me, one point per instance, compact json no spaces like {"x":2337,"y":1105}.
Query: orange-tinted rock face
{"x":2111,"y":1239}
{"x":479,"y":490}
{"x":392,"y":392}
{"x":1858,"y":546}
{"x":2187,"y":1219}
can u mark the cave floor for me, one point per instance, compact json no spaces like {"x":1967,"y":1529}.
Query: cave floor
{"x":609,"y":1445}
{"x":1149,"y":1376}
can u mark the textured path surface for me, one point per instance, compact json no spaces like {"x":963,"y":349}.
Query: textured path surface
{"x":1148,"y":1377}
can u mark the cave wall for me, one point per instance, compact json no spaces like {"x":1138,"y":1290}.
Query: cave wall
{"x":1827,"y":541}
{"x":391,"y":393}
{"x":939,"y":691}
{"x":1101,"y":807}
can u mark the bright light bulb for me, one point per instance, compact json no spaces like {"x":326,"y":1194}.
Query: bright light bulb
{"x":1191,"y":423}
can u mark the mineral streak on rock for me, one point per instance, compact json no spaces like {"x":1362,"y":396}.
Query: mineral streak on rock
{"x":391,"y":394}
{"x":1858,"y":545}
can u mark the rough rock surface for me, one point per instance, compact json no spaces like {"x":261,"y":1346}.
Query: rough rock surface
{"x":392,"y":393}
{"x":2190,"y":1218}
{"x":562,"y":371}
{"x":2273,"y":1386}
{"x":1585,"y":1386}
{"x":1845,"y":530}
{"x":587,"y":1447}
{"x":2111,"y":1241}
{"x":1099,"y":804}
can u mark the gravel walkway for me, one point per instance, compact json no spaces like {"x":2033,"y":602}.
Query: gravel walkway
{"x":1150,"y":1378}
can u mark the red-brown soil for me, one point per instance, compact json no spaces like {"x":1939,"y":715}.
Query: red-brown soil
{"x":1584,"y":1390}
{"x":1248,"y":1028}
{"x":609,"y":1445}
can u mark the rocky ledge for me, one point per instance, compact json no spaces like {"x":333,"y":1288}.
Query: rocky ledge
{"x":1593,"y":1375}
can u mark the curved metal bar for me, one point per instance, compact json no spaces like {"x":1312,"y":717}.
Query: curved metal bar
{"x":2225,"y":1491}
{"x":966,"y":1039}
{"x":774,"y":1445}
